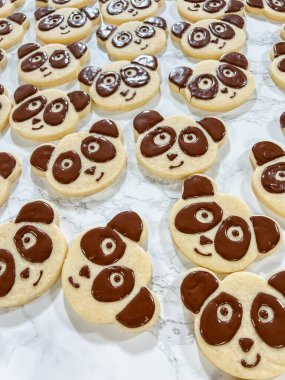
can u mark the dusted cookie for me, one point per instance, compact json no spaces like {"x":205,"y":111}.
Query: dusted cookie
{"x":7,"y":7}
{"x":133,"y":38}
{"x":119,"y":11}
{"x":218,"y":231}
{"x":10,"y":169}
{"x":5,"y":107}
{"x":195,"y":10}
{"x":49,"y":114}
{"x":239,"y":321}
{"x":32,"y":250}
{"x":65,"y":25}
{"x":51,"y":65}
{"x":64,"y":3}
{"x":82,"y":163}
{"x":277,"y":68}
{"x":177,"y":146}
{"x":272,"y":9}
{"x":106,"y":272}
{"x":268,"y":183}
{"x":210,"y":39}
{"x":122,"y":85}
{"x":215,"y":85}
{"x":13,"y":29}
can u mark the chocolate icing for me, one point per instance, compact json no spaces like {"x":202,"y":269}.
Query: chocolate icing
{"x":282,"y":121}
{"x":91,"y":12}
{"x":267,"y":233}
{"x":7,"y":277}
{"x":281,"y":65}
{"x":214,"y":127}
{"x":39,"y":278}
{"x":59,"y":59}
{"x":235,"y":20}
{"x":234,"y":6}
{"x":98,"y":149}
{"x":193,"y":142}
{"x":5,"y":27}
{"x":204,"y":87}
{"x":179,"y":28}
{"x":279,"y":49}
{"x":276,"y":6}
{"x":77,"y":19}
{"x":105,"y":127}
{"x":146,"y":120}
{"x":104,"y":32}
{"x":34,"y":61}
{"x":27,"y":49}
{"x":141,"y":4}
{"x":25,"y":273}
{"x":55,"y":112}
{"x":7,"y":164}
{"x":180,"y":76}
{"x":231,"y":76}
{"x":42,"y":12}
{"x":255,"y":3}
{"x":148,"y":61}
{"x":79,"y":99}
{"x":158,"y":141}
{"x":134,"y":76}
{"x":266,"y":151}
{"x":197,"y":186}
{"x":145,"y":31}
{"x":85,"y":272}
{"x":50,"y":22}
{"x":236,"y":59}
{"x":199,"y":37}
{"x":246,"y":344}
{"x":73,"y":283}
{"x":222,"y":30}
{"x":29,"y":109}
{"x":213,"y":6}
{"x":122,"y":39}
{"x":277,"y":281}
{"x":24,"y":92}
{"x":116,"y":7}
{"x":41,"y":156}
{"x":36,"y":212}
{"x":77,"y":49}
{"x":273,"y":178}
{"x":108,"y":83}
{"x":159,"y":22}
{"x":129,"y":224}
{"x":88,"y":74}
{"x":67,"y":167}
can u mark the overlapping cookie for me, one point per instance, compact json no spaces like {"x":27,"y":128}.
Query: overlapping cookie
{"x":5,"y":107}
{"x":218,"y":231}
{"x":177,"y":146}
{"x":268,"y":182}
{"x":239,"y":321}
{"x":277,"y":67}
{"x":3,"y":59}
{"x":119,"y":11}
{"x":106,"y":273}
{"x":10,"y":169}
{"x":82,"y":163}
{"x":64,"y":3}
{"x":65,"y":25}
{"x":13,"y":29}
{"x":195,"y":10}
{"x":122,"y":85}
{"x":7,"y":7}
{"x":48,"y":114}
{"x":52,"y":64}
{"x":272,"y":9}
{"x":210,"y":38}
{"x":215,"y":85}
{"x":32,"y":251}
{"x":133,"y":38}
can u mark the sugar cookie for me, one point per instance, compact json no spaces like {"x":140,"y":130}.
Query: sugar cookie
{"x":13,"y":29}
{"x":272,"y":9}
{"x":10,"y":169}
{"x":7,"y":7}
{"x":277,"y":68}
{"x":5,"y":107}
{"x":64,"y":3}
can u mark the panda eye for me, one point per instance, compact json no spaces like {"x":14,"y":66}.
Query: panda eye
{"x":205,"y":84}
{"x":57,"y":107}
{"x":162,"y":138}
{"x":36,"y":58}
{"x":229,"y":73}
{"x":130,"y":73}
{"x":189,"y":138}
{"x":280,"y":175}
{"x":58,"y":56}
{"x":224,"y":312}
{"x":145,"y":31}
{"x":204,"y":216}
{"x":108,"y":246}
{"x":28,"y":240}
{"x":34,"y":105}
{"x":122,"y":39}
{"x":93,"y":147}
{"x":265,"y":314}
{"x":235,"y":233}
{"x":109,"y":80}
{"x":66,"y":164}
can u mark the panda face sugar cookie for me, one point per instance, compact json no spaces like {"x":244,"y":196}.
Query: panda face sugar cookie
{"x":7,"y":7}
{"x":32,"y":249}
{"x":106,"y":273}
{"x":65,"y":25}
{"x":176,"y":146}
{"x":82,"y":163}
{"x":58,"y":4}
{"x":215,"y":85}
{"x":13,"y":29}
{"x":49,"y":114}
{"x":271,"y":9}
{"x":277,"y":67}
{"x":10,"y":169}
{"x":210,"y":39}
{"x":5,"y":107}
{"x":240,"y":318}
{"x":52,"y":64}
{"x":118,"y":12}
{"x":195,"y":10}
{"x":122,"y":85}
{"x":218,"y":231}
{"x":133,"y":38}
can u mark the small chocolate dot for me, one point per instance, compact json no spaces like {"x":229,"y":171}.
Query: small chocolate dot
{"x":117,"y":278}
{"x":263,"y":314}
{"x":224,"y":311}
{"x":27,"y":240}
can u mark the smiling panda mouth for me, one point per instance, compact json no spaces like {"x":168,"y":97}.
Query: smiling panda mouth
{"x":65,"y":32}
{"x":176,"y":166}
{"x":131,"y":97}
{"x":245,"y":364}
{"x":46,"y":75}
{"x":192,"y":10}
{"x":145,"y":47}
{"x":37,"y":128}
{"x":201,"y":253}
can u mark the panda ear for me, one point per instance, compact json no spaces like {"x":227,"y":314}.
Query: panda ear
{"x":180,"y":76}
{"x":234,"y":6}
{"x":196,"y":287}
{"x":236,"y":59}
{"x":235,"y":20}
{"x":215,"y":127}
{"x":41,"y":156}
{"x":105,"y":31}
{"x":146,"y":120}
{"x":279,"y":49}
{"x":88,"y":74}
{"x":277,"y":281}
{"x":148,"y":61}
{"x":43,"y":12}
{"x":18,"y":18}
{"x":105,"y":127}
{"x":179,"y":28}
{"x":282,"y":122}
{"x":23,"y":92}
{"x":92,"y":13}
{"x":267,"y":233}
{"x":159,"y":22}
{"x":7,"y":164}
{"x":266,"y":151}
{"x":197,"y":186}
{"x":79,"y":99}
{"x":36,"y":212}
{"x":129,"y":224}
{"x":27,"y":49}
{"x":77,"y":49}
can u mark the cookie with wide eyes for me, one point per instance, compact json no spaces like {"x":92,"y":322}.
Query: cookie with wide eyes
{"x":10,"y":170}
{"x":195,"y":10}
{"x":118,"y":12}
{"x":215,"y":85}
{"x":240,"y":318}
{"x":122,"y":85}
{"x":13,"y":29}
{"x":218,"y":231}
{"x":58,"y":4}
{"x":210,"y":39}
{"x":133,"y":38}
{"x":5,"y":107}
{"x":82,"y":163}
{"x":49,"y":114}
{"x":106,"y":273}
{"x":176,"y":146}
{"x":52,"y":64}
{"x":277,"y":67}
{"x":7,"y":7}
{"x":65,"y":25}
{"x":32,"y":251}
{"x":271,"y":9}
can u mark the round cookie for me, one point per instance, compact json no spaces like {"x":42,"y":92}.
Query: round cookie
{"x":7,"y":7}
{"x":133,"y":38}
{"x":82,"y":163}
{"x":277,"y":67}
{"x":106,"y":273}
{"x":272,"y":9}
{"x":5,"y":107}
{"x":218,"y":231}
{"x":210,"y":39}
{"x":65,"y":25}
{"x":215,"y":85}
{"x":195,"y":10}
{"x":58,"y":4}
{"x":10,"y":170}
{"x":49,"y":114}
{"x":118,"y":12}
{"x":122,"y":85}
{"x":51,"y":65}
{"x":240,"y":318}
{"x":32,"y":250}
{"x":3,"y":59}
{"x":13,"y":29}
{"x":177,"y":146}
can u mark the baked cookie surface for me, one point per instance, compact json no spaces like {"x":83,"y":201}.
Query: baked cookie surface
{"x":10,"y":170}
{"x":13,"y":29}
{"x":272,"y":9}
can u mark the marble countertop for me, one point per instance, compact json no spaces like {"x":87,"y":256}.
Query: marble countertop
{"x":46,"y":339}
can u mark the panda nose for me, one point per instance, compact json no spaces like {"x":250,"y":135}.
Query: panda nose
{"x":138,"y":41}
{"x":197,"y":5}
{"x":171,"y":156}
{"x":35,"y":120}
{"x":62,"y":27}
{"x":246,"y":344}
{"x":204,"y":240}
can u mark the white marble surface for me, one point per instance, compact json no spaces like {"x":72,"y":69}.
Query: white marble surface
{"x":45,"y":339}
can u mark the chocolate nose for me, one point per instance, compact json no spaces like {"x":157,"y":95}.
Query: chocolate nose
{"x":246,"y":344}
{"x":197,"y":5}
{"x":204,"y":240}
{"x":62,"y":27}
{"x":43,"y":69}
{"x":35,"y":120}
{"x":138,"y":41}
{"x":171,"y":156}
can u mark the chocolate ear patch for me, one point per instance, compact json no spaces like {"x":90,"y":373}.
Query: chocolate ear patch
{"x":7,"y":164}
{"x":27,"y":49}
{"x":148,"y":61}
{"x":196,"y":287}
{"x":255,"y":3}
{"x":23,"y":92}
{"x":197,"y":186}
{"x":236,"y":59}
{"x":159,"y":22}
{"x":235,"y":20}
{"x":266,"y":151}
{"x":79,"y":99}
{"x":77,"y":49}
{"x":234,"y":6}
{"x":282,"y":121}
{"x":214,"y":127}
{"x":43,"y":12}
{"x":105,"y":127}
{"x":267,"y":233}
{"x":105,"y":31}
{"x":41,"y":156}
{"x":277,"y":281}
{"x":18,"y":18}
{"x":146,"y":120}
{"x":91,"y":12}
{"x":279,"y":49}
{"x":179,"y":28}
{"x":129,"y":224}
{"x":36,"y":212}
{"x":180,"y":76}
{"x":88,"y":74}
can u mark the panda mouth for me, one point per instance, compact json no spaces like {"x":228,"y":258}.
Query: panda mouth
{"x":222,"y":46}
{"x":131,"y":97}
{"x":37,"y":128}
{"x":201,"y":253}
{"x":145,"y":47}
{"x":192,"y":10}
{"x":176,"y":166}
{"x":245,"y":364}
{"x":46,"y":75}
{"x":65,"y":32}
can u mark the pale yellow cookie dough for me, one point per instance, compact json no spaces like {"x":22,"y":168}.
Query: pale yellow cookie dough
{"x":13,"y":29}
{"x":10,"y":170}
{"x":5,"y":107}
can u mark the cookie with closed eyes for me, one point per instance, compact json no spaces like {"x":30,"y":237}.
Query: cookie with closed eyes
{"x":13,"y":29}
{"x":66,"y":25}
{"x":176,"y":146}
{"x":122,"y":85}
{"x":210,"y":38}
{"x":5,"y":107}
{"x":218,"y":231}
{"x":106,"y":274}
{"x":10,"y":170}
{"x":82,"y":163}
{"x":271,"y":9}
{"x":133,"y":38}
{"x":215,"y":85}
{"x":277,"y":67}
{"x":7,"y":7}
{"x":58,"y":4}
